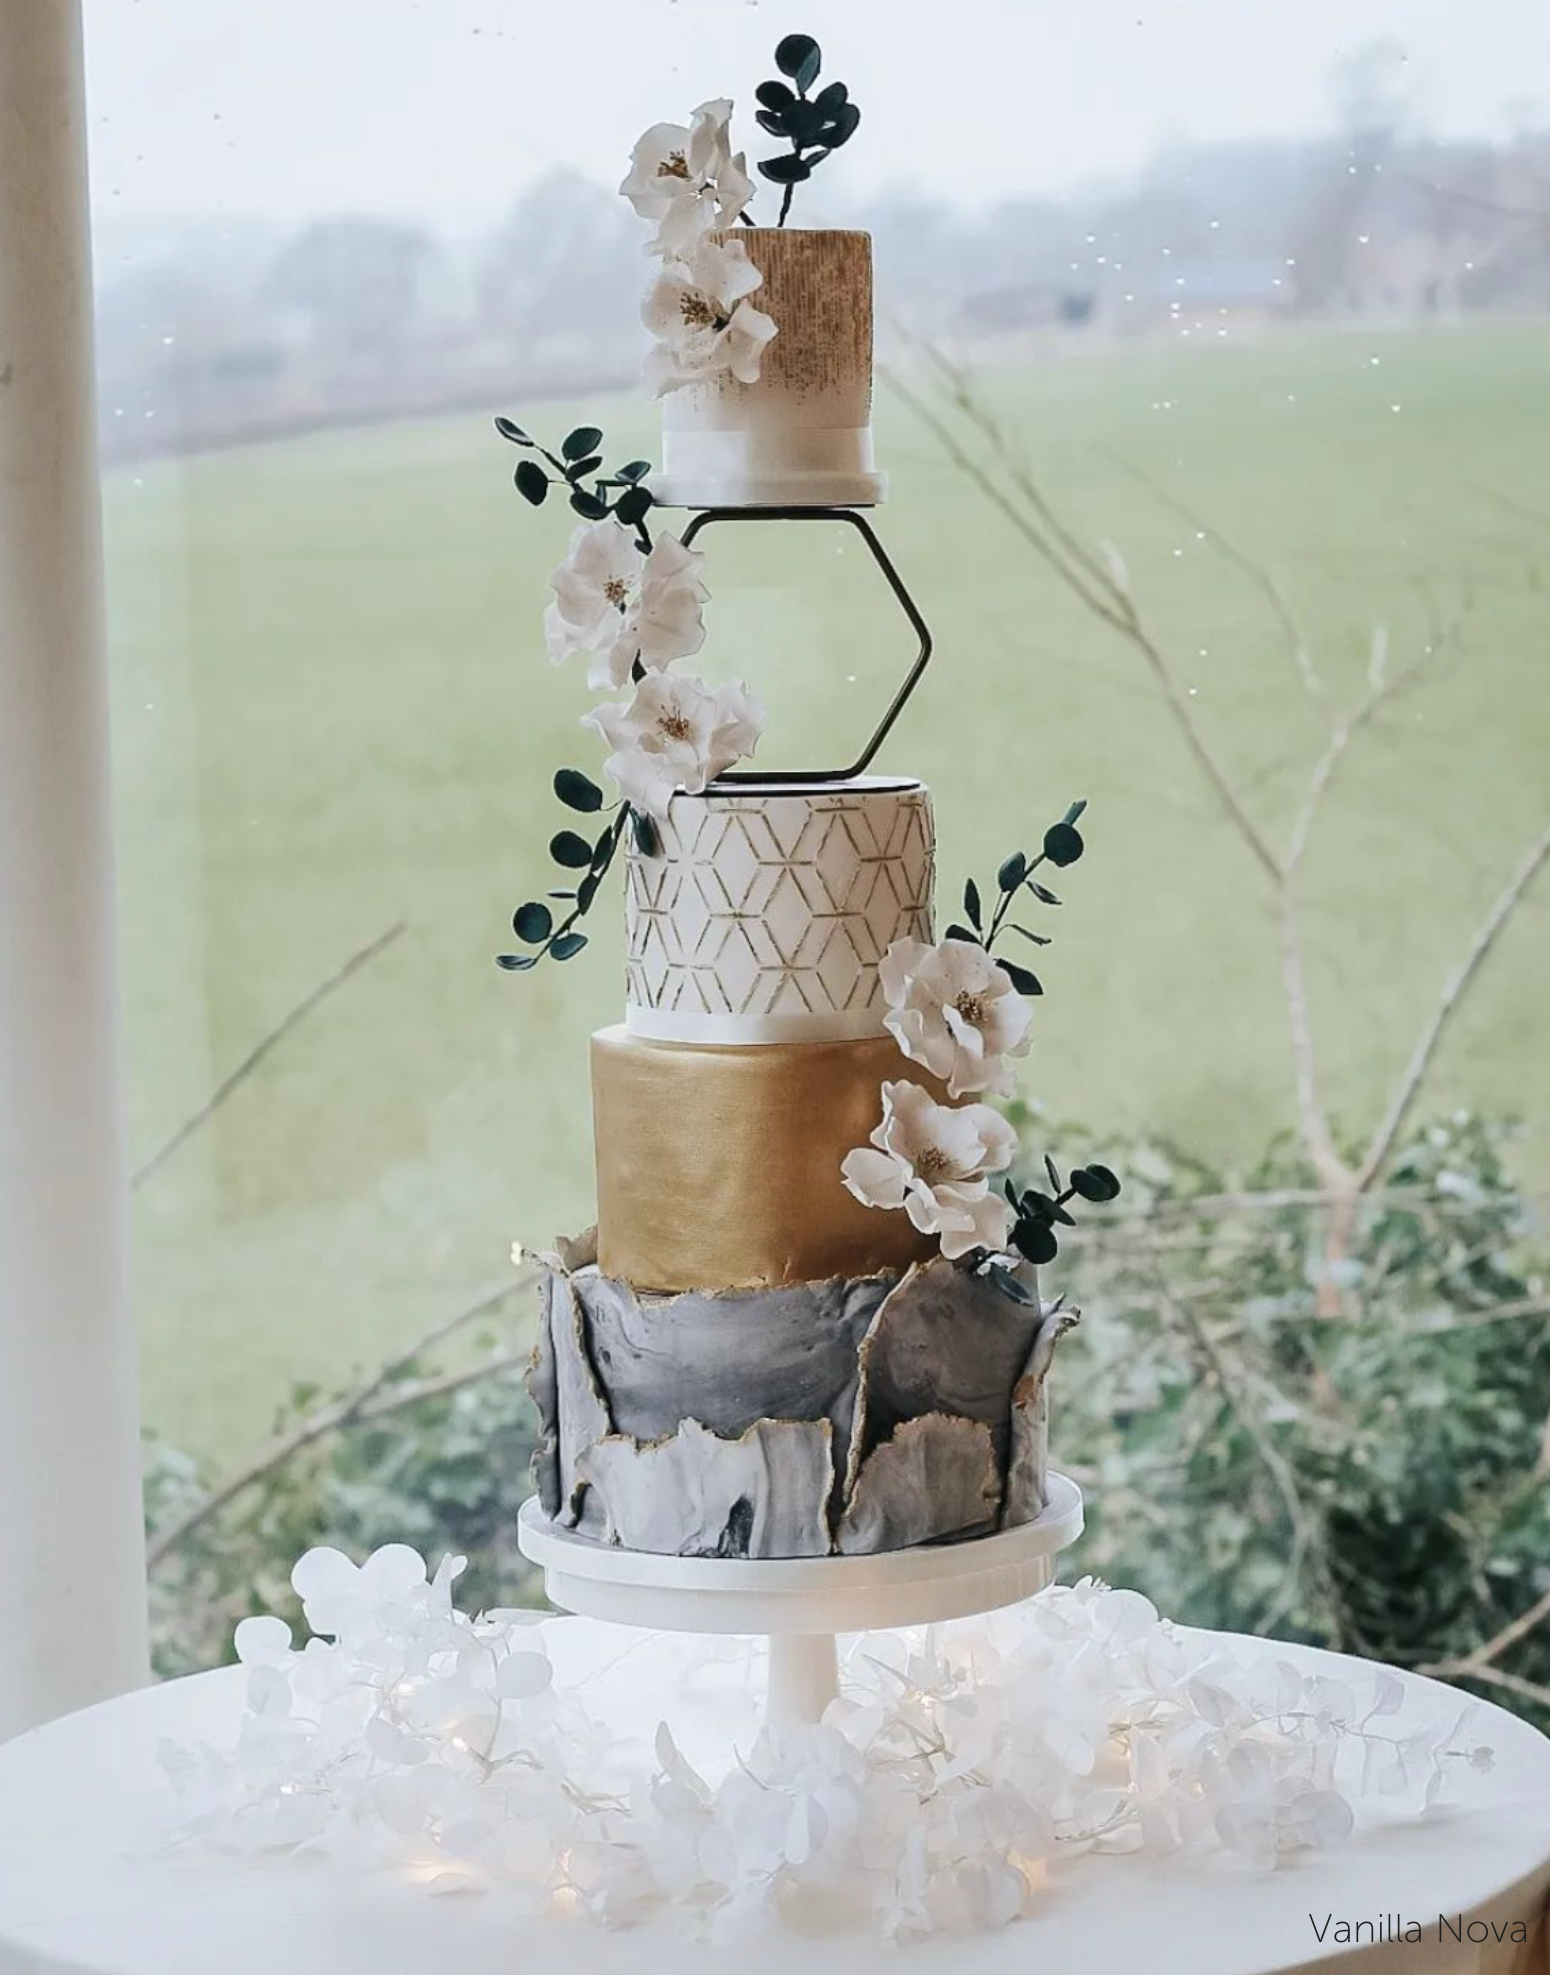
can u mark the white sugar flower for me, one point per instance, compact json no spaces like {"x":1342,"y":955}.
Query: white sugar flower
{"x":953,"y":1007}
{"x":932,"y":1160}
{"x":675,"y":733}
{"x":688,"y":180}
{"x":615,"y":603}
{"x":705,"y":326}
{"x":351,"y":1601}
{"x":950,"y":1770}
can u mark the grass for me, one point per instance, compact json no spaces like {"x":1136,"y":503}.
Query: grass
{"x":333,"y":711}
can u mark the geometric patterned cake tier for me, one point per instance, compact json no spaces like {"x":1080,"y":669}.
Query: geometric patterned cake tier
{"x":764,"y":913}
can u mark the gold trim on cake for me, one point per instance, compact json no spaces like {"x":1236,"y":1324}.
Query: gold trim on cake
{"x":761,"y":914}
{"x":718,"y":1166}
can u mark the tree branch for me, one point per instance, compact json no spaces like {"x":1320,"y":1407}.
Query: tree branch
{"x":291,"y":1020}
{"x":1463,"y":977}
{"x":372,"y":1400}
{"x":1306,"y":1542}
{"x":1252,"y":572}
{"x":1481,"y":1663}
{"x":1106,"y":598}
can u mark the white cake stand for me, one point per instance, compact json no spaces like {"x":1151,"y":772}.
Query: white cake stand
{"x":800,"y":1603}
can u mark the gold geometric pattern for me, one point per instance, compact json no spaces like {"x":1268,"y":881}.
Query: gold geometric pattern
{"x":778,"y":905}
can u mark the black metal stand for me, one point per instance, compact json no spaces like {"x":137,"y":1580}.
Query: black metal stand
{"x":703,"y":519}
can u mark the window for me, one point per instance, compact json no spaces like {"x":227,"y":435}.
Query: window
{"x":1216,"y":398}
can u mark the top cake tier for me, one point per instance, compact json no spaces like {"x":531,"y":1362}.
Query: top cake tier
{"x":763,"y":913}
{"x":802,"y":435}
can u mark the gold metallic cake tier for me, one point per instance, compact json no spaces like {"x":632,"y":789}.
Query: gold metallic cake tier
{"x":718,"y":1166}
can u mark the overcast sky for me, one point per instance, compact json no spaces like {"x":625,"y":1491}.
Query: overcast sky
{"x":443,"y":109}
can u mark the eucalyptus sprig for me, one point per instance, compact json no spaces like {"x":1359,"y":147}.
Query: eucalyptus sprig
{"x":1039,"y":1214}
{"x":814,"y":126}
{"x":1036,"y":1216}
{"x":579,"y":459}
{"x":1062,"y":846}
{"x":536,"y":923}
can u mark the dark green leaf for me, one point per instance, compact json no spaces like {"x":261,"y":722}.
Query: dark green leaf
{"x":531,"y":481}
{"x":1038,"y":1206}
{"x":774,"y":95}
{"x":1095,"y":1183}
{"x":585,"y":439}
{"x":841,"y":127}
{"x":774,"y":121}
{"x":647,"y":841}
{"x":588,"y":505}
{"x":795,"y":52}
{"x":971,"y":904}
{"x":567,"y":946}
{"x":1039,"y":939}
{"x":532,"y":922}
{"x":1012,"y":872}
{"x":1021,"y":979}
{"x":603,"y":849}
{"x":1062,"y":844}
{"x":1042,"y":893}
{"x":586,"y":891}
{"x":574,"y":852}
{"x":803,"y":121}
{"x":1065,"y":1219}
{"x":577,"y":791}
{"x":807,"y":74}
{"x":786,"y":171}
{"x":1009,"y":1188}
{"x":1075,"y":810}
{"x":579,"y":469}
{"x":962,"y":932}
{"x":1008,"y":1284}
{"x":832,"y":97}
{"x":516,"y":963}
{"x":635,"y":469}
{"x":1054,"y":1174}
{"x":633,"y":505}
{"x":514,"y":433}
{"x":1036,"y":1240}
{"x":559,"y":894}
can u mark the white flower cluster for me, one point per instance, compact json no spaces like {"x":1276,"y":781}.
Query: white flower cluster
{"x":953,"y":1008}
{"x":688,"y":182}
{"x":632,"y":612}
{"x":956,"y":1765}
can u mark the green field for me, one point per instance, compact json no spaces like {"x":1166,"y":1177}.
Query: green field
{"x":333,"y":712}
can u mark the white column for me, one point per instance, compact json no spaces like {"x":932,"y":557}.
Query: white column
{"x":72,"y":1560}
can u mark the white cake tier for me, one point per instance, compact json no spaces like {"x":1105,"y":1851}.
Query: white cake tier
{"x":802,"y":435}
{"x":765,"y":912}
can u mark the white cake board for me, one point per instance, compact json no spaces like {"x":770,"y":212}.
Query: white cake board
{"x":800,"y":1603}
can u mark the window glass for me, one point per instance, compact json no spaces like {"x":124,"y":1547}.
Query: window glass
{"x":1215,"y":391}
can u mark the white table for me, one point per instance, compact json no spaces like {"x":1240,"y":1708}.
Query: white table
{"x":85,"y":1888}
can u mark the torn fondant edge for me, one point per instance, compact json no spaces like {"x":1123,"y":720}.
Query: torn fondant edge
{"x":773,"y":1485}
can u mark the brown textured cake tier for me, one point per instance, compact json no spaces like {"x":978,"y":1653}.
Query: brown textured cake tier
{"x":718,"y":1165}
{"x":802,"y":434}
{"x":851,"y":1415}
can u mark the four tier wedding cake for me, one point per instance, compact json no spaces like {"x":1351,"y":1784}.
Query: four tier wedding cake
{"x":808,"y":1319}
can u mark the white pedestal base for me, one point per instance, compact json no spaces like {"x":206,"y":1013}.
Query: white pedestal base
{"x":801,"y":1602}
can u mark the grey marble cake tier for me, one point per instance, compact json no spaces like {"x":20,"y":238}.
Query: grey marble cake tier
{"x":849,"y":1415}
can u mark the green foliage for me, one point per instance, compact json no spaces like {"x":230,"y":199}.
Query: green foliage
{"x":1300,"y":1420}
{"x":814,"y":126}
{"x":533,"y":923}
{"x":1285,"y":1418}
{"x":580,"y":459}
{"x":446,"y":1474}
{"x":1062,"y":845}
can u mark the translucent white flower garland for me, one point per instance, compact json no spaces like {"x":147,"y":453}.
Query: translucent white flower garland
{"x":957,"y":1763}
